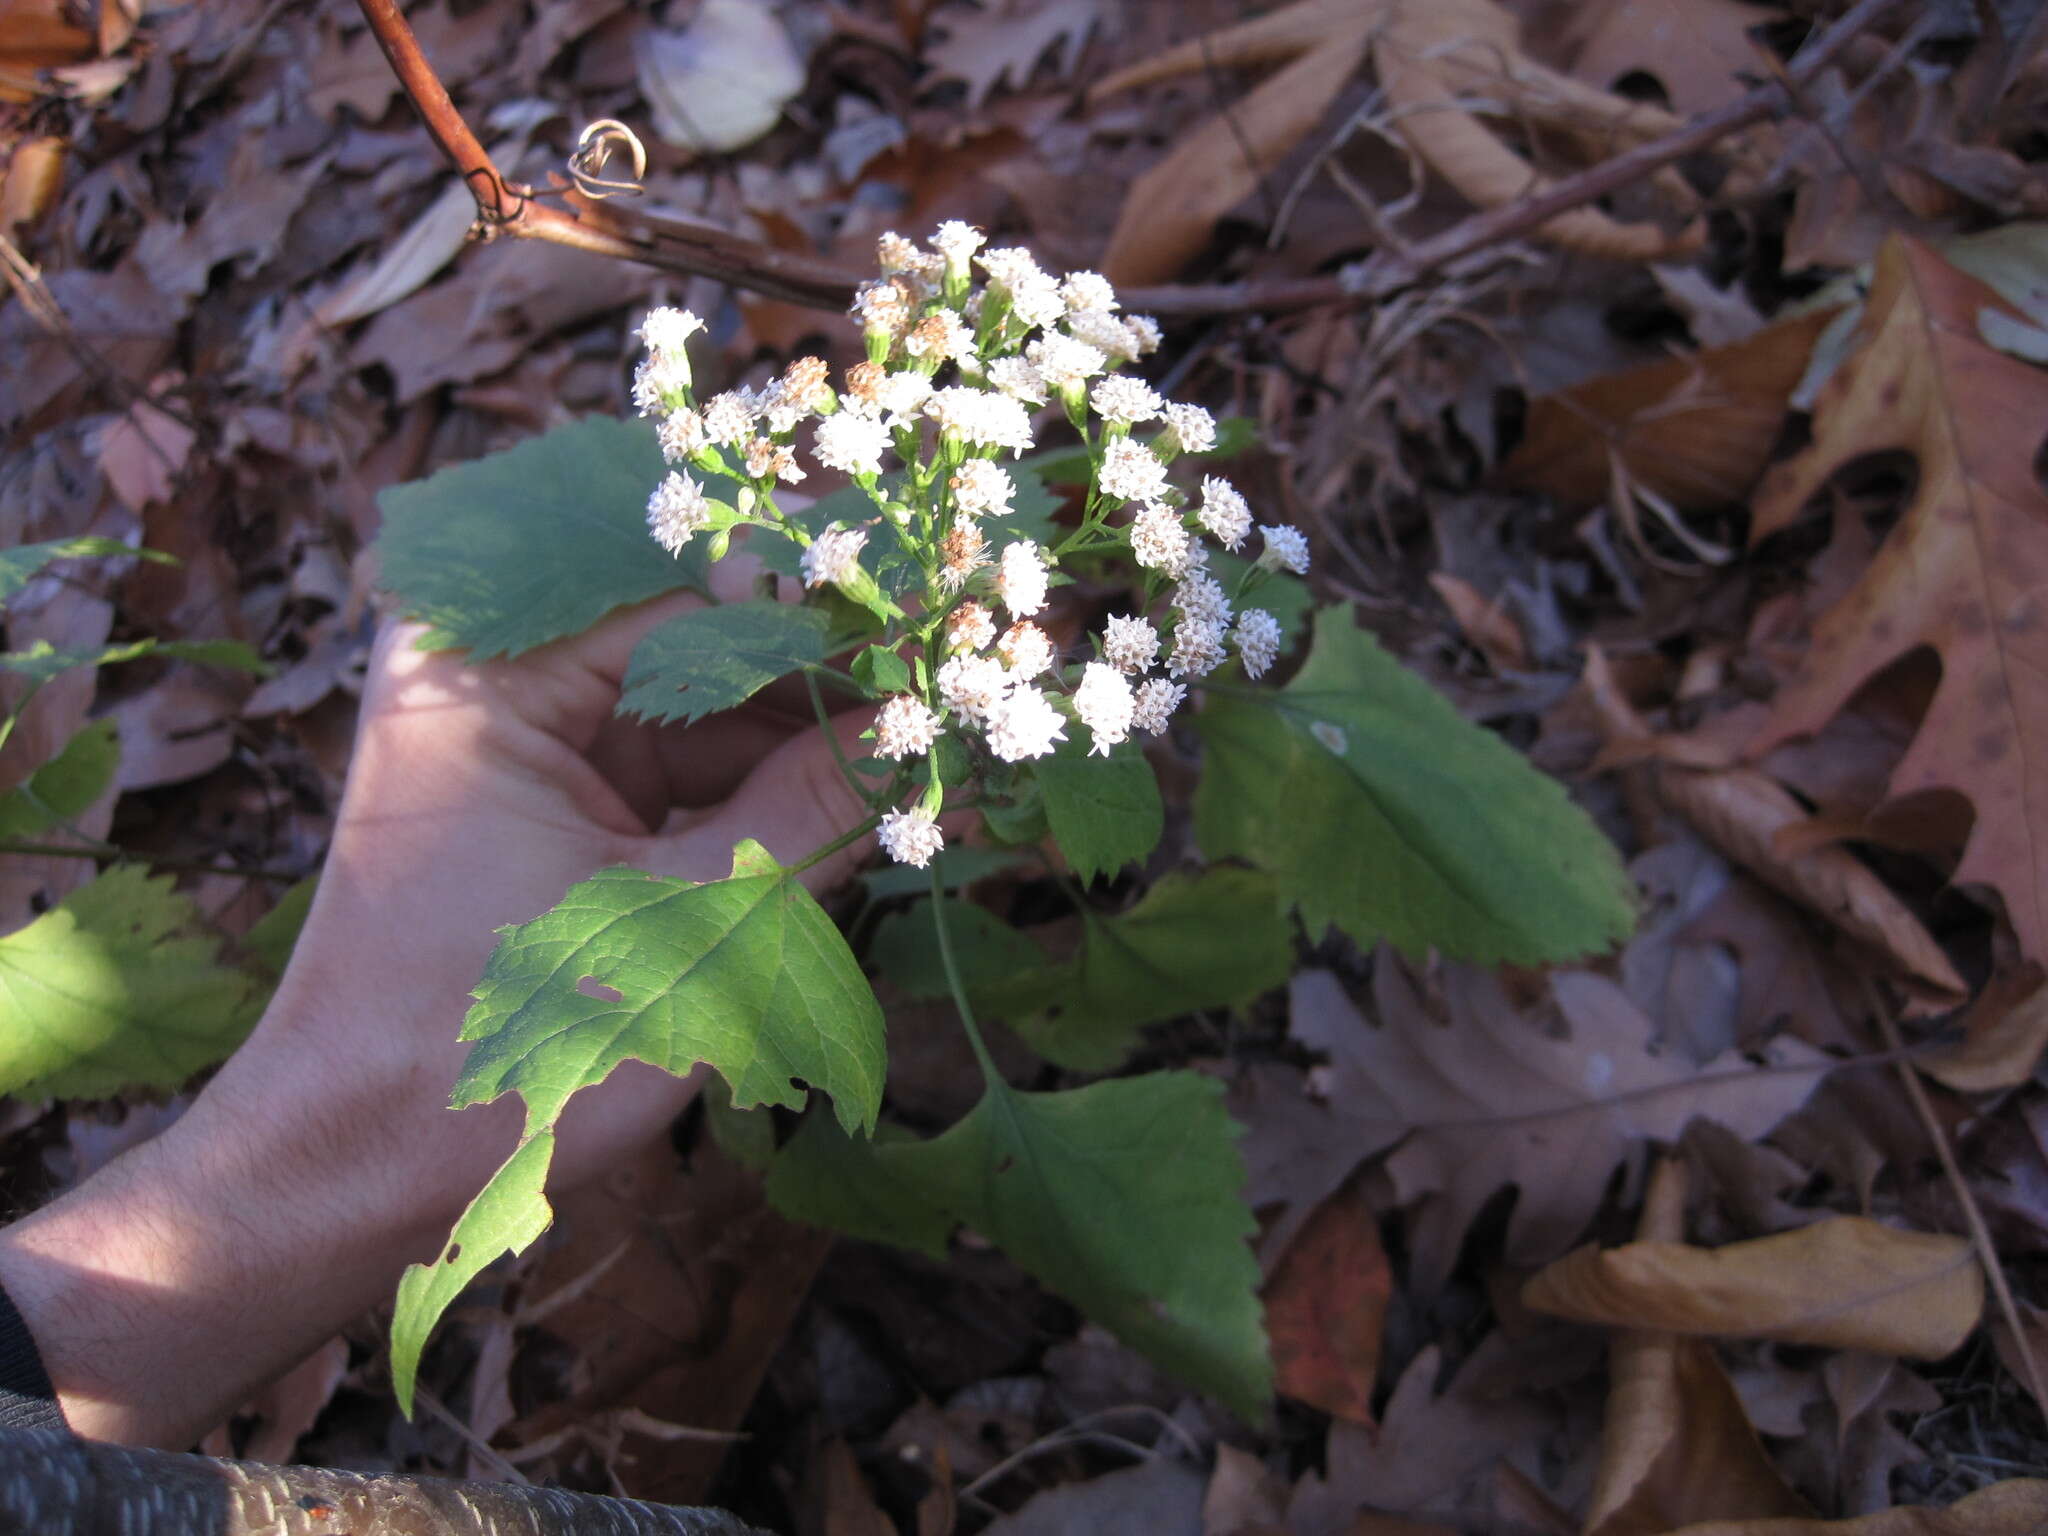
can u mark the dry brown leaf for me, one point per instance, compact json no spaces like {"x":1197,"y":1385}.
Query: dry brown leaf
{"x":1698,"y":50}
{"x":1676,"y":1445}
{"x":1001,"y":43}
{"x":849,"y":1508}
{"x":1488,"y":625}
{"x":1695,"y":430}
{"x":1169,"y":211}
{"x":1494,"y":1097}
{"x":1325,"y":1307}
{"x":143,"y":452}
{"x":35,"y":171}
{"x":2004,"y":1034}
{"x":1965,"y":569}
{"x":1243,"y":1498}
{"x":1843,"y":1283}
{"x":2015,"y":1508}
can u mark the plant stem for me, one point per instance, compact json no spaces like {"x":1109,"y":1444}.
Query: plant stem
{"x":959,"y":988}
{"x":845,"y":839}
{"x":846,"y":772}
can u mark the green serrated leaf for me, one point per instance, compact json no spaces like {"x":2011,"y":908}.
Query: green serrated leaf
{"x":748,"y":974}
{"x":833,"y":1180}
{"x":1104,"y":812}
{"x":117,"y":987}
{"x":991,"y":955}
{"x":699,"y":663}
{"x":1379,"y":809}
{"x":65,"y":787}
{"x":541,"y":541}
{"x":880,"y":671}
{"x":275,"y":934}
{"x":19,"y":566}
{"x":505,"y":1217}
{"x":1123,"y":1196}
{"x":1213,"y":940}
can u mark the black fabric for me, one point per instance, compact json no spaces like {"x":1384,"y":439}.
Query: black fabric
{"x":27,"y":1400}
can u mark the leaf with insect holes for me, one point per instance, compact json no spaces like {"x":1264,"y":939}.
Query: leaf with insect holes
{"x":1379,"y":809}
{"x":1104,"y":811}
{"x":119,"y":986}
{"x":1123,"y":1196}
{"x":20,"y":565}
{"x":508,"y":552}
{"x":715,"y":658}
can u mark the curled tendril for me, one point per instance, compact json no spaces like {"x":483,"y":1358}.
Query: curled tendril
{"x":595,"y":148}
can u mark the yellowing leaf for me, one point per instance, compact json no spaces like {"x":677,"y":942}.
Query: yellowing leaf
{"x":1965,"y":569}
{"x":1843,"y":1283}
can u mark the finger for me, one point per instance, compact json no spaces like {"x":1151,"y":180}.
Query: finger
{"x":793,"y":803}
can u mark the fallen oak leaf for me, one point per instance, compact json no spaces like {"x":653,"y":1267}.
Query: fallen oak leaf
{"x":1964,"y":571}
{"x":995,"y":46}
{"x":2004,"y":1033}
{"x":2018,"y":1507}
{"x":1845,"y":1282}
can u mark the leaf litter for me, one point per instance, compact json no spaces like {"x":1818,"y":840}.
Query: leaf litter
{"x":240,"y":268}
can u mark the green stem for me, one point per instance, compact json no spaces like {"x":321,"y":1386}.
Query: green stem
{"x":845,"y":839}
{"x":867,"y":796}
{"x":958,"y":987}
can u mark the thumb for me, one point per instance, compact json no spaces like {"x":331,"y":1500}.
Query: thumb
{"x":793,"y":803}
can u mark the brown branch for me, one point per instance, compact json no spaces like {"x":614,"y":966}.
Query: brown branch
{"x":673,"y":245}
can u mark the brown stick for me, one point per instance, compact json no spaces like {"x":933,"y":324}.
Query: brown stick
{"x":53,"y":1484}
{"x":606,"y":229}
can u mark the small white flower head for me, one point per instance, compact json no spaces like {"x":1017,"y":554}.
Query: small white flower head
{"x":1189,"y":429}
{"x":660,"y":385}
{"x":805,"y":386}
{"x":1038,"y":303}
{"x":980,"y":417}
{"x":681,"y":434}
{"x":971,"y":686}
{"x":1064,"y":362}
{"x":970,"y":627}
{"x":1285,"y":546}
{"x":1158,"y":541}
{"x":910,"y":837}
{"x":1105,"y":332}
{"x":1144,"y":333}
{"x":850,"y":443}
{"x":1131,"y":471}
{"x":1157,"y":699}
{"x":1016,"y":378}
{"x":983,"y":488}
{"x":904,"y":727}
{"x":1023,"y":724}
{"x":884,"y":308}
{"x":956,"y":243}
{"x":1010,"y":267}
{"x":1123,"y":401}
{"x":902,"y":394}
{"x":1105,"y":704}
{"x":834,"y":556}
{"x":1129,"y":644}
{"x":677,"y":509}
{"x":939,"y":336}
{"x":729,"y":417}
{"x":665,"y":330}
{"x":962,"y":552}
{"x":1201,"y":596}
{"x":768,"y":459}
{"x":1258,"y":640}
{"x":1025,"y":648}
{"x":1197,"y":647}
{"x":1087,"y":290}
{"x":1224,"y":512}
{"x":895,"y":253}
{"x":1021,"y":579}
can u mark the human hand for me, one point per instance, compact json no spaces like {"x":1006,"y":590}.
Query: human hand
{"x":323,"y":1155}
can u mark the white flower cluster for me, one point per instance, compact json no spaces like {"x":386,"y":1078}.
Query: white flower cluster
{"x":963,"y":345}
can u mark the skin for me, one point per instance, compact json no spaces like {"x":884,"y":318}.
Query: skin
{"x":322,"y":1158}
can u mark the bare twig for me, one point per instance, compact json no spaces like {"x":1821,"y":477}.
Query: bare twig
{"x":633,"y":235}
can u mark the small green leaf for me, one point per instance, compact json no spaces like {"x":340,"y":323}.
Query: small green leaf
{"x":1104,"y":811}
{"x":990,"y":954}
{"x":232,"y":655}
{"x":957,"y":867}
{"x":881,"y":671}
{"x":65,"y":787}
{"x":1284,"y":596}
{"x":117,"y":987}
{"x":1214,"y":940}
{"x":833,"y":1180}
{"x":505,"y":1217}
{"x":714,"y":658}
{"x":1378,"y":808}
{"x":19,"y":566}
{"x":1016,"y":817}
{"x":747,"y":973}
{"x":1123,"y":1196}
{"x":535,"y":543}
{"x":43,"y":661}
{"x":747,"y":1136}
{"x":276,"y":933}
